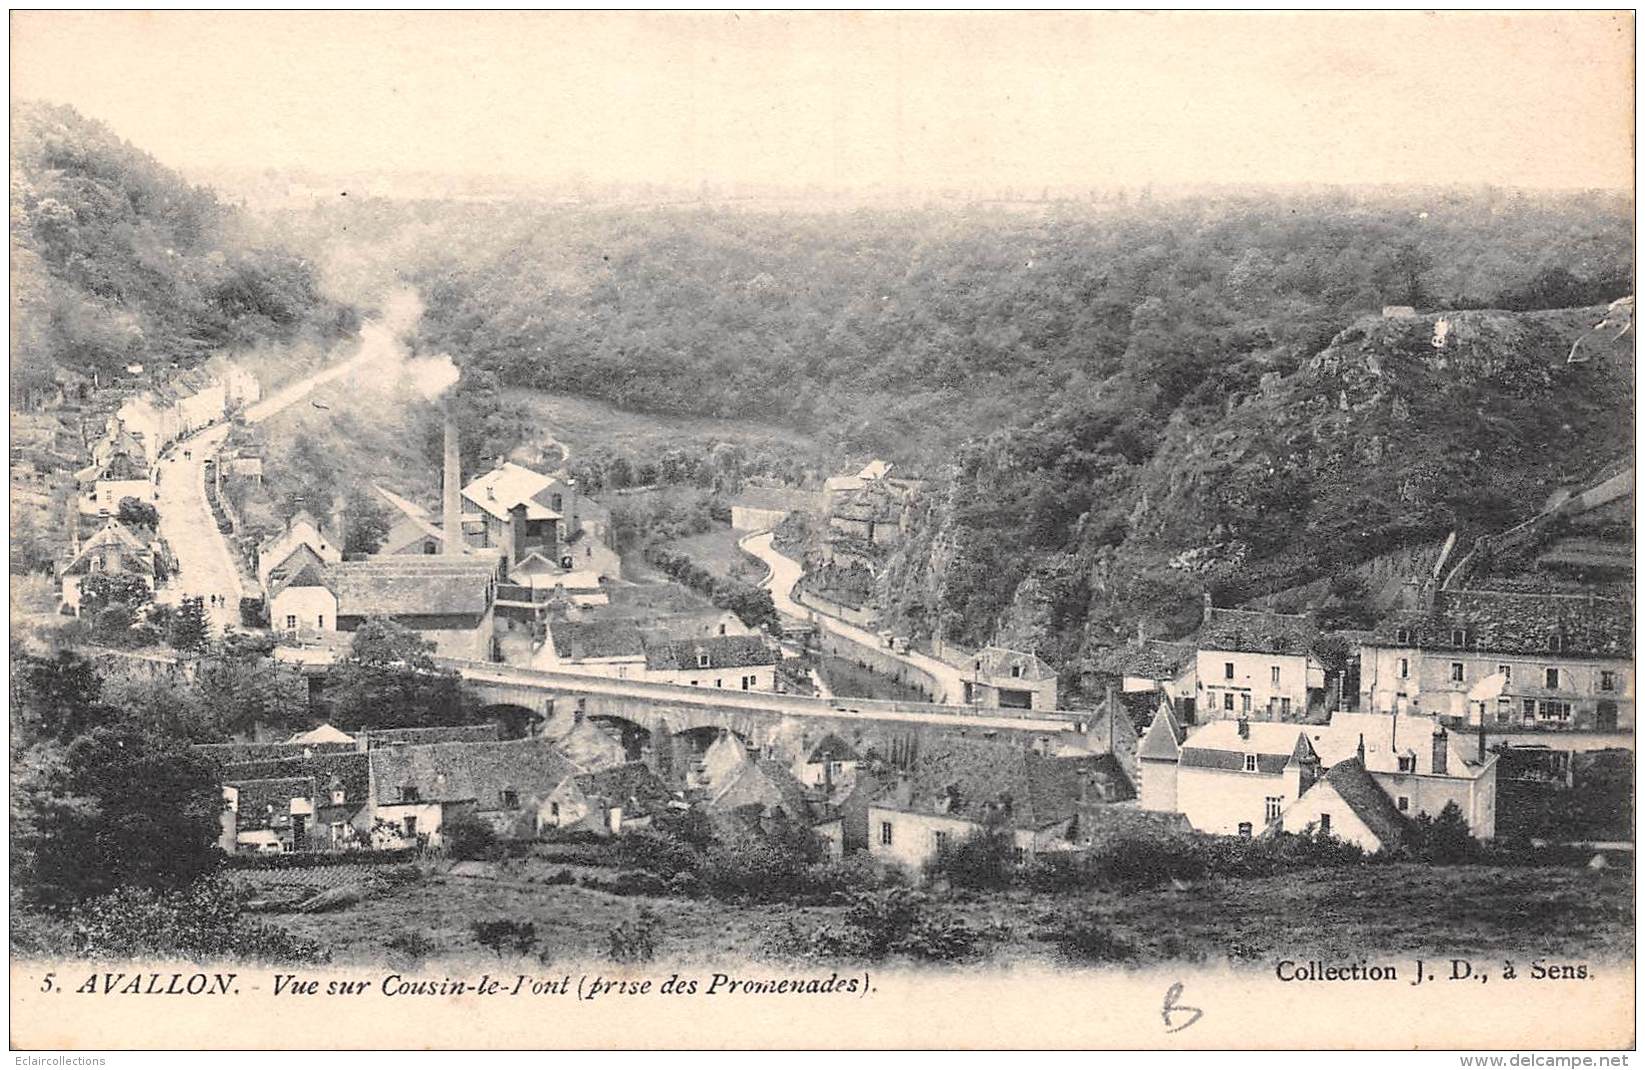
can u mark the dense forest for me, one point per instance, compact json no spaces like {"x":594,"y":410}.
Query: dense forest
{"x":116,"y":259}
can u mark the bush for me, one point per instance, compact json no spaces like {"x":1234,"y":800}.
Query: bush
{"x":469,"y":837}
{"x":411,"y":948}
{"x":200,"y":922}
{"x":1444,"y":839}
{"x":657,"y":852}
{"x":982,"y":861}
{"x":1089,"y":937}
{"x":1144,"y":859}
{"x":897,"y":921}
{"x":629,"y":882}
{"x":504,"y":937}
{"x":635,"y":940}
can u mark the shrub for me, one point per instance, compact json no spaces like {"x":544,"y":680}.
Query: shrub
{"x":635,"y":940}
{"x":657,"y":852}
{"x":983,"y":860}
{"x":563,"y":875}
{"x":897,"y":921}
{"x":628,"y":882}
{"x":470,"y":837}
{"x":202,"y":921}
{"x":1137,"y":859}
{"x":411,"y":948}
{"x":1062,"y":871}
{"x":1444,"y":839}
{"x":1089,"y":937}
{"x":503,"y":936}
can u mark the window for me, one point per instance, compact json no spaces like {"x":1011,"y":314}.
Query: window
{"x":429,"y":547}
{"x":1404,"y":668}
{"x":1227,"y":670}
{"x":1245,"y":830}
{"x":1402,"y":636}
{"x":411,"y":825}
{"x":554,"y":811}
{"x":1607,"y":680}
{"x":718,"y":682}
{"x":942,"y":840}
{"x":702,"y":661}
{"x":1273,"y":675}
{"x":1506,"y":672}
{"x":1459,"y":637}
{"x":1551,"y":679}
{"x":1245,"y":703}
{"x":1556,"y":642}
{"x":722,"y":629}
{"x":1529,"y":708}
{"x":1228,"y":701}
{"x":320,"y":622}
{"x":885,"y":834}
{"x":748,"y":682}
{"x":1407,"y":763}
{"x":291,"y":622}
{"x":1270,"y":807}
{"x":408,"y":793}
{"x":1404,"y":803}
{"x":1285,"y":707}
{"x":1250,"y":763}
{"x":1325,"y":823}
{"x":1504,"y":710}
{"x":556,"y":503}
{"x":1456,"y":672}
{"x":1016,"y":672}
{"x":1019,"y":855}
{"x":337,"y":796}
{"x":510,"y":800}
{"x":1556,"y":711}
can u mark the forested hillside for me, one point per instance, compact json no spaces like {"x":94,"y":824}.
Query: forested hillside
{"x":907,"y":333}
{"x":116,"y":259}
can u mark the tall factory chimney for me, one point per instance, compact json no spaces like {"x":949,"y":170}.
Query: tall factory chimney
{"x":450,"y":493}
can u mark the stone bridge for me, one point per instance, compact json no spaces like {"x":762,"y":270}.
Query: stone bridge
{"x":658,"y":721}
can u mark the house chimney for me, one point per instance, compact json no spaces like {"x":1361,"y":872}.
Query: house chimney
{"x":1359,"y":751}
{"x":451,"y":507}
{"x":1482,"y":737}
{"x":1205,"y":617}
{"x":1442,"y":752}
{"x":1244,"y":728}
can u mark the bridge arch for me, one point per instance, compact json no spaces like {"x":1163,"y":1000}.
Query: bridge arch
{"x":637,"y":740}
{"x":514,"y":721}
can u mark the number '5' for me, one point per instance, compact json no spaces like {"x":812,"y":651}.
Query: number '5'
{"x":45,"y":985}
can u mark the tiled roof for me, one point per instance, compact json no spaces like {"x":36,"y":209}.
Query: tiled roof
{"x":510,"y":484}
{"x":1367,"y":800}
{"x":413,"y":512}
{"x":350,"y":769}
{"x":247,"y":752}
{"x":1219,"y":745}
{"x":1387,"y":737}
{"x":454,"y":772}
{"x":773,"y":498}
{"x":1151,"y":659}
{"x":633,"y":786}
{"x":596,"y":639}
{"x":997,"y":661}
{"x":301,"y":568}
{"x":875,"y":500}
{"x":979,"y":779}
{"x":413,"y":585}
{"x":134,"y":556}
{"x":266,"y":803}
{"x":1164,"y":737}
{"x":422,"y":737}
{"x":1257,"y":632}
{"x":724,"y":652}
{"x":1517,"y":623}
{"x":795,"y":800}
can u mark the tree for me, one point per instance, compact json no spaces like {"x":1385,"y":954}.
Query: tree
{"x":367,"y":525}
{"x":389,"y":680}
{"x":246,"y":688}
{"x":469,"y":836}
{"x":58,"y":697}
{"x":189,"y":629}
{"x":1444,"y":839}
{"x":138,"y":514}
{"x":126,"y":806}
{"x":100,"y":590}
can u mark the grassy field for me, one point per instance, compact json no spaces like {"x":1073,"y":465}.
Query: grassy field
{"x":718,"y":552}
{"x":586,"y":424}
{"x":1380,"y":912}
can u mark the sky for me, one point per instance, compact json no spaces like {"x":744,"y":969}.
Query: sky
{"x":916,"y":100}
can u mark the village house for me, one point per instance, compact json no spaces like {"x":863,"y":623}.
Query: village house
{"x":335,"y":816}
{"x":1237,"y":777}
{"x":836,"y":487}
{"x":961,"y":787}
{"x":446,"y":600}
{"x":300,"y":530}
{"x":1157,"y":757}
{"x":593,"y":648}
{"x":266,"y":815}
{"x":113,"y":549}
{"x":1348,"y":804}
{"x":829,"y":767}
{"x":1547,"y":661}
{"x":588,"y":745}
{"x":606,"y":802}
{"x":411,"y":529}
{"x":1150,"y":665}
{"x":874,"y":514}
{"x":119,"y":469}
{"x":416,"y":791}
{"x":1263,"y":666}
{"x":738,"y":662}
{"x":758,"y":508}
{"x":516,"y":511}
{"x":1419,"y":764}
{"x":1009,"y":679}
{"x":300,"y":594}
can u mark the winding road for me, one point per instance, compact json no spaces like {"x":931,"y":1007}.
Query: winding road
{"x":783,"y":572}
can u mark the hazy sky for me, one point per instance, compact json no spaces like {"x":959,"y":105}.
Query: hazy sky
{"x":848,"y":100}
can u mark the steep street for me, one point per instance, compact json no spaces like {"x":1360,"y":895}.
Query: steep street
{"x":785,"y":572}
{"x":205,"y":560}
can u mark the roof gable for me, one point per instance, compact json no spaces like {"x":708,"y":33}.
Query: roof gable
{"x":1365,"y":797}
{"x":721,"y":652}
